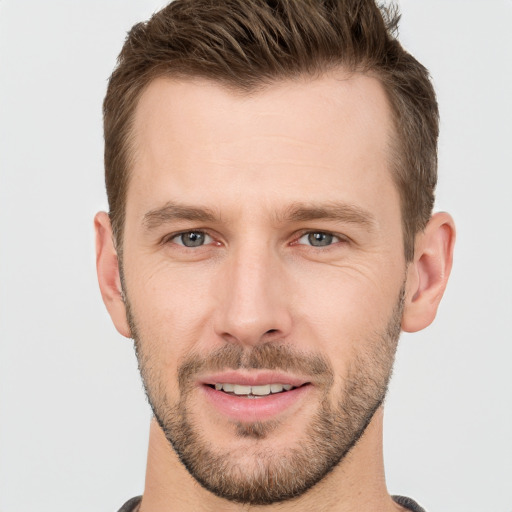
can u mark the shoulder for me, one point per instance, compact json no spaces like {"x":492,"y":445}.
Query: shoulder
{"x":408,"y":503}
{"x":131,"y":505}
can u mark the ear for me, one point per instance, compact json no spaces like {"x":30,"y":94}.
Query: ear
{"x":107,"y":267}
{"x":427,"y":274}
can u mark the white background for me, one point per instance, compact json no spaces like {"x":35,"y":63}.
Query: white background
{"x":73,"y":418}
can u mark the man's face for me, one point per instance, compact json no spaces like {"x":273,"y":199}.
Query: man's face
{"x":263,"y":251}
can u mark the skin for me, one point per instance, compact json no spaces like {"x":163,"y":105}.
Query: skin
{"x":250,"y":160}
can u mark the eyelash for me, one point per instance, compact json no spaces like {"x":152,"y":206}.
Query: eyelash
{"x":333,"y":238}
{"x":174,"y":236}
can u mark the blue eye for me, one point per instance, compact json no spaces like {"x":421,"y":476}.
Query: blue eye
{"x":192,"y":239}
{"x":318,"y":239}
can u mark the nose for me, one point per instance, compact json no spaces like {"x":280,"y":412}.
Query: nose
{"x":253,"y":300}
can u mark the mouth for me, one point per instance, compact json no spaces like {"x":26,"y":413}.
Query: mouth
{"x":251,"y":397}
{"x":258,"y":391}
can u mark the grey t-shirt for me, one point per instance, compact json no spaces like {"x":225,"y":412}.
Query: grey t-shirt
{"x":133,"y":504}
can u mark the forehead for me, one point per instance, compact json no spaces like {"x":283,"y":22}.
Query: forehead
{"x":290,"y":141}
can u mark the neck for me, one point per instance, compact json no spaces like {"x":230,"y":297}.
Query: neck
{"x":357,"y":483}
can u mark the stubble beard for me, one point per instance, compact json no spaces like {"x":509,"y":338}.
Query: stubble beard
{"x":273,"y":476}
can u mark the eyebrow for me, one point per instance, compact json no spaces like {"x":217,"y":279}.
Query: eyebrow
{"x":174,"y":211}
{"x":296,"y":212}
{"x":338,"y":212}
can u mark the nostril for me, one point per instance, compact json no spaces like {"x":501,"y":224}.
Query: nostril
{"x":271,"y":331}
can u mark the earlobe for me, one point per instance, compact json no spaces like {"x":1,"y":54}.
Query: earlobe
{"x":427,"y":274}
{"x":107,"y":267}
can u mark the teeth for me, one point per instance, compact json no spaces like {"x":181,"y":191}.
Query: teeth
{"x":260,"y":390}
{"x":263,"y":390}
{"x":241,"y":390}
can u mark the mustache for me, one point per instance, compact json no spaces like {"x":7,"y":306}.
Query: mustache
{"x":267,"y":356}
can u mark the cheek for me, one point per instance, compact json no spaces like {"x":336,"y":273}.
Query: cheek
{"x":345,"y":301}
{"x":345,"y":317}
{"x":170,"y":307}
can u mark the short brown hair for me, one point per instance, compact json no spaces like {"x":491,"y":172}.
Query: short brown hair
{"x":247,"y":44}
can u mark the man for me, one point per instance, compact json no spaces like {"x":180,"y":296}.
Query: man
{"x":270,"y":169}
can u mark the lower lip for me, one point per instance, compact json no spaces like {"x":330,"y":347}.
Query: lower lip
{"x":250,"y":410}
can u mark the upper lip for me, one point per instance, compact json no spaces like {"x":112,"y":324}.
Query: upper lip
{"x":252,"y":378}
